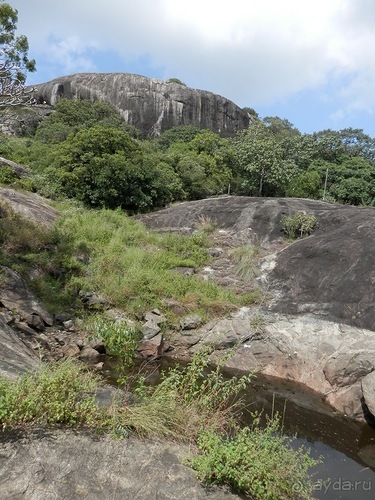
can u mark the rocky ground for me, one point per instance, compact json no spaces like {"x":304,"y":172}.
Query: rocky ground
{"x":315,"y":325}
{"x":71,"y":465}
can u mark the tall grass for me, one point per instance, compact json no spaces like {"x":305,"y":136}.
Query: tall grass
{"x":135,"y":267}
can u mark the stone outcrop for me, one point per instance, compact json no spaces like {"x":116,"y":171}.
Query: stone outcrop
{"x":152,"y":105}
{"x":317,"y":324}
{"x":29,"y":205}
{"x":330,"y":273}
{"x":332,"y":359}
{"x":63,"y":464}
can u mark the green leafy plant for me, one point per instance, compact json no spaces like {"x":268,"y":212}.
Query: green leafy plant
{"x":187,"y":401}
{"x":120,"y":340}
{"x":255,"y":461}
{"x":60,"y":393}
{"x":176,"y":80}
{"x":298,"y":225}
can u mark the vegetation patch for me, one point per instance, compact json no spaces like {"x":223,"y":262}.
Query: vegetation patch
{"x":192,"y":405}
{"x":60,"y":393}
{"x":298,"y":225}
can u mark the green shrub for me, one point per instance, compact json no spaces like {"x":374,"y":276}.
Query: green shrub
{"x":60,"y":393}
{"x":120,"y":340}
{"x":256,"y":461}
{"x":298,"y":225}
{"x":186,"y":402}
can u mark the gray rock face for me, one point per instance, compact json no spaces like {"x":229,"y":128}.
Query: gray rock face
{"x":330,"y":358}
{"x":150,"y":104}
{"x":65,"y":464}
{"x":330,"y":273}
{"x":30,"y":205}
{"x":318,"y":326}
{"x":15,"y":357}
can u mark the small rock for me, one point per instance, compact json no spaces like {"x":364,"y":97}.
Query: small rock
{"x":61,"y":338}
{"x":24,"y":328}
{"x":68,"y":325}
{"x":70,"y":350}
{"x":98,"y":345}
{"x":43,"y":340}
{"x":190,"y":322}
{"x":215,"y":252}
{"x":35,"y":321}
{"x":89,"y":354}
{"x":149,"y":330}
{"x":92,"y":300}
{"x":154,"y":316}
{"x":61,"y":318}
{"x":175,"y":306}
{"x":152,"y":347}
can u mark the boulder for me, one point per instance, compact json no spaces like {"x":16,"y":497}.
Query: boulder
{"x":15,"y":357}
{"x":150,"y":104}
{"x":18,"y":298}
{"x":190,"y":322}
{"x":152,"y":347}
{"x":30,"y":205}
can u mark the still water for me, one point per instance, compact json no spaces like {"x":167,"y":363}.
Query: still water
{"x":347,"y":448}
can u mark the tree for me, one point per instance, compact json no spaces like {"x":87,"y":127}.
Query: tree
{"x":104,"y":167}
{"x":72,"y":115}
{"x":14,"y":60}
{"x":261,"y":162}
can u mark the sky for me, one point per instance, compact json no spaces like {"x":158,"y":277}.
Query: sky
{"x":311,"y":62}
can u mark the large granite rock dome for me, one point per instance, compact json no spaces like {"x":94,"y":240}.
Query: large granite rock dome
{"x":152,"y":105}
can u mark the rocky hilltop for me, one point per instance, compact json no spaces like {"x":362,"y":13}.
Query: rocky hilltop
{"x":152,"y":105}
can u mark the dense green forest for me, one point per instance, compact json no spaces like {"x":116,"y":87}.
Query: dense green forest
{"x":84,"y":150}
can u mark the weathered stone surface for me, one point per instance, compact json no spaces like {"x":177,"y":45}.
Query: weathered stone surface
{"x":331,"y":273}
{"x":63,"y":464}
{"x":150,"y":104}
{"x":368,"y":389}
{"x":93,"y":300}
{"x":17,"y":297}
{"x":15,"y":356}
{"x":190,"y":322}
{"x":88,"y":354}
{"x":149,"y":330}
{"x":71,"y":350}
{"x":225,"y":333}
{"x":327,"y":357}
{"x":152,"y":347}
{"x":155,"y":317}
{"x":30,"y":205}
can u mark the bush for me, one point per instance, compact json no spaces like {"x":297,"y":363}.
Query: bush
{"x":256,"y":461}
{"x":120,"y":340}
{"x":298,"y":225}
{"x":56,"y":394}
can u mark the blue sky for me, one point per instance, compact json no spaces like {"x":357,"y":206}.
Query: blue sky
{"x":311,"y":62}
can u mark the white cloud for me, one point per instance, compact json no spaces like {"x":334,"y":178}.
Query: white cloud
{"x":252,"y":51}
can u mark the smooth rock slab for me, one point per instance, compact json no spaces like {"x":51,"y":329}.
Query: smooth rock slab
{"x":69,"y":465}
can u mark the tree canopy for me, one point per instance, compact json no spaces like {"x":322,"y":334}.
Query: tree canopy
{"x":14,"y":59}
